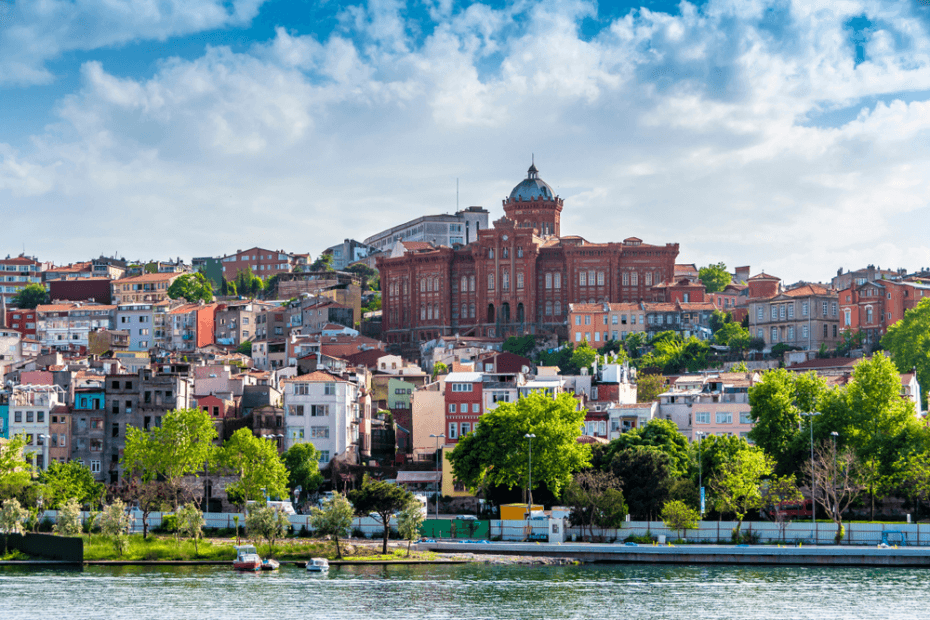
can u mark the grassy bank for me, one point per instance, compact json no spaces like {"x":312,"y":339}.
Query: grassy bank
{"x":98,"y":547}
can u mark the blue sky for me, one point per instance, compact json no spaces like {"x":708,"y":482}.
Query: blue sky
{"x":789,"y":136}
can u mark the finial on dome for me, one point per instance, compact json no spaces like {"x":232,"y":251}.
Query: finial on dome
{"x":533,"y":171}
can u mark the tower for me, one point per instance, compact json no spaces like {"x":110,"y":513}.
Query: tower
{"x":532,"y":204}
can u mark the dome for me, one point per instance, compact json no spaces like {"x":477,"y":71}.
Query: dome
{"x":532,"y":187}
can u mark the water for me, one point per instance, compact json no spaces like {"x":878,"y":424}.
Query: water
{"x":467,"y":591}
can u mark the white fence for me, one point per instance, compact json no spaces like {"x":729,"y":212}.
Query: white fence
{"x":794,"y":532}
{"x":219,"y":520}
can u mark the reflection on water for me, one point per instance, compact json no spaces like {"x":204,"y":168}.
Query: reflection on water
{"x":466,"y":591}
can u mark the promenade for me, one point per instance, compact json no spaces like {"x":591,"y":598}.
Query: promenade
{"x":823,"y":555}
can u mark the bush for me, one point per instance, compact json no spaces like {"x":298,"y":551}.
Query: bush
{"x":46,"y":525}
{"x":169,"y":524}
{"x":641,"y":540}
{"x":358,"y":533}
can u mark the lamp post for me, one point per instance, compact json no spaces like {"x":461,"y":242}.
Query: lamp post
{"x":834,"y":434}
{"x":437,"y":437}
{"x":529,"y":478}
{"x":700,"y":435}
{"x":810,"y":415}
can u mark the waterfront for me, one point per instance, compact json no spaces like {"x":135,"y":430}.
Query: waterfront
{"x":468,"y":591}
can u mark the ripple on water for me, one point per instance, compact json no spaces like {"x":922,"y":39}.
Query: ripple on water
{"x":468,"y":591}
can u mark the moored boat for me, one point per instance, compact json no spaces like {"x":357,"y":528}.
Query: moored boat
{"x":270,"y":564}
{"x":247,"y":559}
{"x":318,"y":565}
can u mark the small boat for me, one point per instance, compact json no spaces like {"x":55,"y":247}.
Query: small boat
{"x":247,"y":559}
{"x":318,"y":565}
{"x":270,"y":564}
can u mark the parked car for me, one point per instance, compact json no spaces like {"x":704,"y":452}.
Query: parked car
{"x":466,"y":518}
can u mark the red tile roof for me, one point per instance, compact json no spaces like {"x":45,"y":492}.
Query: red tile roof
{"x":318,"y":376}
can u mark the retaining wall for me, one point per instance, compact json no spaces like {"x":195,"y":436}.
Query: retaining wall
{"x":64,"y":548}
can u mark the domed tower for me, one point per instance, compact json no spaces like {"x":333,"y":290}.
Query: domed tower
{"x":532,"y":204}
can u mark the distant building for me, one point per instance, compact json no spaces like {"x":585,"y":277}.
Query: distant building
{"x":262,"y":262}
{"x":149,"y":287}
{"x":18,"y":272}
{"x":446,"y":230}
{"x":348,"y":252}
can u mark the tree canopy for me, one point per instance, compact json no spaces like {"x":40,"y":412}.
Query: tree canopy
{"x":658,"y":434}
{"x":182,"y":445}
{"x":72,"y":480}
{"x":14,"y":470}
{"x":324,"y":262}
{"x":192,"y":287}
{"x":714,"y":277}
{"x":908,"y":341}
{"x":381,"y":498}
{"x":302,"y":461}
{"x":496,"y":452}
{"x":30,"y":296}
{"x":649,"y":386}
{"x":258,"y":465}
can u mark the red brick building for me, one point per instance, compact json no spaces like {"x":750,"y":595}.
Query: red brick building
{"x":464,"y":405}
{"x":517,"y":277}
{"x":262,"y":262}
{"x":871,"y":307}
{"x":23,"y":321}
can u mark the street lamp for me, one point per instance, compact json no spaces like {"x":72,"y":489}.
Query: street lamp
{"x":529,"y":479}
{"x":437,"y":437}
{"x":810,"y":415}
{"x":700,"y":435}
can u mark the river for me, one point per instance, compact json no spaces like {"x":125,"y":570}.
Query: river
{"x":467,"y":591}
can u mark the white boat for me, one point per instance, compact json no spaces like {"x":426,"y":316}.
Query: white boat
{"x":247,"y":558}
{"x":318,"y":565}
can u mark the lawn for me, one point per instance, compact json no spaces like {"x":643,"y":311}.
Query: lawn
{"x":159,"y":547}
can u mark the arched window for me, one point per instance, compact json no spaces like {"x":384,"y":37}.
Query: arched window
{"x":625,"y":278}
{"x":422,"y":313}
{"x":868,"y":314}
{"x":435,"y":284}
{"x":557,"y":308}
{"x":429,"y":313}
{"x":520,"y":281}
{"x":557,"y":280}
{"x":634,"y":279}
{"x":490,"y":281}
{"x":548,"y":308}
{"x":548,"y":280}
{"x":422,"y":285}
{"x":464,"y":311}
{"x":505,"y":280}
{"x":648,"y":279}
{"x":464,"y":284}
{"x":471,"y":283}
{"x":471,"y":311}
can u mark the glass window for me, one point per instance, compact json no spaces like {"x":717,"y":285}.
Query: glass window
{"x":702,"y":417}
{"x":724,"y":417}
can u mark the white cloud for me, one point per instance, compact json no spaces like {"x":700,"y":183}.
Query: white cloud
{"x":692,"y":128}
{"x":33,"y":33}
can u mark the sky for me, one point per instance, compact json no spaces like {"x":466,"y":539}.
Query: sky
{"x":793,"y":137}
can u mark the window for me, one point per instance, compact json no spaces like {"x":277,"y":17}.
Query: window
{"x":466,"y":428}
{"x":520,"y":281}
{"x":96,"y":445}
{"x":614,"y":320}
{"x":505,"y":280}
{"x":461,"y":387}
{"x":452,"y":407}
{"x":491,"y":253}
{"x":773,"y":311}
{"x":625,"y":278}
{"x":791,"y":333}
{"x":30,"y":416}
{"x":745,"y":418}
{"x":301,"y":389}
{"x":557,"y":280}
{"x":453,"y":430}
{"x":582,"y":278}
{"x":804,"y":308}
{"x":475,"y":408}
{"x":724,"y":417}
{"x":548,"y":308}
{"x":505,"y":253}
{"x":759,"y":313}
{"x":804,"y":331}
{"x":587,"y":319}
{"x":833,"y":306}
{"x":826,"y":330}
{"x":834,"y":330}
{"x":774,"y":335}
{"x":702,"y":417}
{"x":115,"y":430}
{"x":647,"y":279}
{"x":824,"y":308}
{"x":557,"y":308}
{"x":591,"y":277}
{"x":95,"y":467}
{"x":490,"y":281}
{"x":781,"y":312}
{"x":791,"y":311}
{"x":319,"y":432}
{"x":324,"y":456}
{"x":329,"y":389}
{"x":319,"y":411}
{"x":295,"y":410}
{"x":634,"y":279}
{"x":548,"y":280}
{"x":40,"y":416}
{"x":847,"y":317}
{"x":577,"y":319}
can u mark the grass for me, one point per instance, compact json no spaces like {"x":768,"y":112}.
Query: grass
{"x":14,"y":554}
{"x":155,"y":547}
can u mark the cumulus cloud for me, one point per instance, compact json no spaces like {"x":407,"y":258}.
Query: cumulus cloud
{"x":702,"y":128}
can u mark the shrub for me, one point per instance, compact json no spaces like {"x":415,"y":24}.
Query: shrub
{"x":358,"y":533}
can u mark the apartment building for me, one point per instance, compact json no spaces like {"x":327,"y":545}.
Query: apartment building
{"x":716,"y":404}
{"x":67,"y":326}
{"x":333,"y":412}
{"x":598,"y":323}
{"x":30,"y":414}
{"x":262,"y":262}
{"x":138,"y":321}
{"x":460,"y":228}
{"x":869,"y":308}
{"x":148,"y":287}
{"x":805,"y":317}
{"x":87,"y":426}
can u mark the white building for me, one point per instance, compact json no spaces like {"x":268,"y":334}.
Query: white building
{"x":62,"y":326}
{"x":30,"y":412}
{"x":329,"y":411}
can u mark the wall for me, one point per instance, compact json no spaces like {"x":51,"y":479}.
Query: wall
{"x":64,"y":548}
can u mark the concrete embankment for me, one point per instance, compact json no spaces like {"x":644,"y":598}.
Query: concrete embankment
{"x":701,"y":554}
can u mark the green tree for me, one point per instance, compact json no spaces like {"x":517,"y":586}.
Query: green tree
{"x":334,"y":519}
{"x":228,"y":288}
{"x":649,"y":386}
{"x":498,"y":448}
{"x":714,"y":277}
{"x":741,"y":367}
{"x":679,"y":516}
{"x":409,"y":521}
{"x":440,"y":369}
{"x":245,"y":348}
{"x":719,"y":318}
{"x":520,"y":345}
{"x":733,"y":335}
{"x":151,"y":496}
{"x":68,"y":522}
{"x":737,"y":485}
{"x":258,"y":465}
{"x":114,"y":521}
{"x":190,"y":524}
{"x":62,"y":482}
{"x":30,"y":296}
{"x":367,"y":275}
{"x":182,"y":445}
{"x":583,"y":357}
{"x":776,"y":492}
{"x":324,"y":262}
{"x":14,"y":470}
{"x":646,"y":473}
{"x":192,"y":287}
{"x":664,"y":436}
{"x":267,"y":522}
{"x":776,"y":402}
{"x":12,"y":517}
{"x":302,"y":461}
{"x":381,"y":498}
{"x":247,"y":283}
{"x":596,"y":501}
{"x":908,"y":342}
